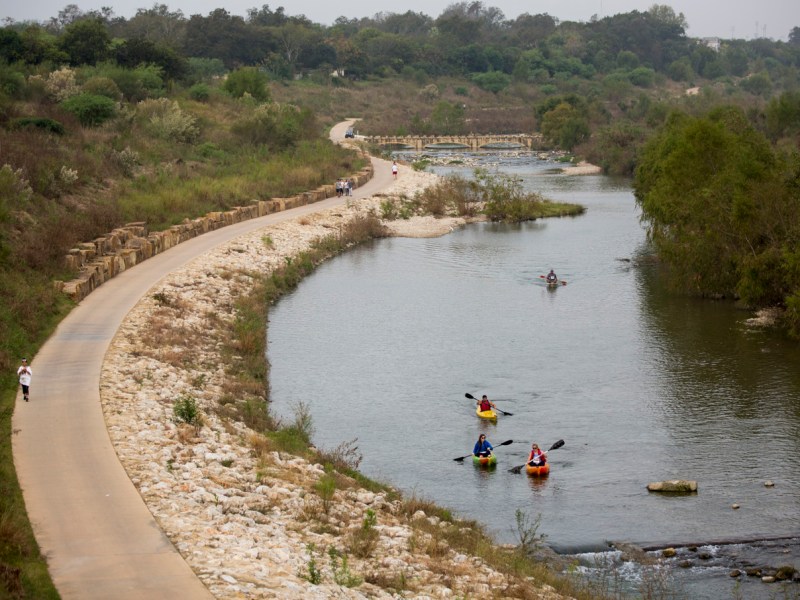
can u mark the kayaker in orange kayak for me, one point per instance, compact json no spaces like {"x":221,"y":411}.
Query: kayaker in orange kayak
{"x":537,"y":458}
{"x":484,"y":404}
{"x":482,"y":446}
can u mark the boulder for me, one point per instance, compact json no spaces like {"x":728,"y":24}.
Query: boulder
{"x":680,"y":486}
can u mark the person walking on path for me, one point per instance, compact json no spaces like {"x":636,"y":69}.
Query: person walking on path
{"x":24,"y":373}
{"x":394,"y":169}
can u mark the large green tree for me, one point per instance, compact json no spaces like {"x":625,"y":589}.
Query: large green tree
{"x":721,"y":208}
{"x":86,"y":42}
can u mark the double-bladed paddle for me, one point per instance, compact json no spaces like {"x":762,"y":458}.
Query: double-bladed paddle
{"x":506,"y":443}
{"x":555,"y":446}
{"x":561,"y":281}
{"x":471,"y":397}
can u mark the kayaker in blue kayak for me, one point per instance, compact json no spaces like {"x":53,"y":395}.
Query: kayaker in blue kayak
{"x":485,"y":404}
{"x":482,"y":447}
{"x":552,"y":277}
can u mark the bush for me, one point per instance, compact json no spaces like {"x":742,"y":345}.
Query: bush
{"x":185,"y":411}
{"x":40,"y":123}
{"x":247,"y":80}
{"x":205,"y":68}
{"x":493,"y":81}
{"x":90,"y":109}
{"x":277,"y":126}
{"x":102,"y":86}
{"x":165,"y":119}
{"x":145,"y":81}
{"x":12,"y":82}
{"x":200,"y":92}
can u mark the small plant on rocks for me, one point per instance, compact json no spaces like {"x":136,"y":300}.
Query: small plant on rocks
{"x":312,"y":574}
{"x":341,"y":571}
{"x":185,"y":410}
{"x":362,"y":541}
{"x":326,"y":488}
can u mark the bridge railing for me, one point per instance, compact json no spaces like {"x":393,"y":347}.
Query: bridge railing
{"x":471,"y":141}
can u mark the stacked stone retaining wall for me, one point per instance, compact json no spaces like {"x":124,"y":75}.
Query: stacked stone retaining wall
{"x":109,"y":255}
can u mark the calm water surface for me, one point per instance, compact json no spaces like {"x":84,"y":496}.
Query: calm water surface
{"x":643,"y":385}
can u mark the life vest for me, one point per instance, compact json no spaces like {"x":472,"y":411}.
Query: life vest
{"x":539,"y":455}
{"x":485,"y":405}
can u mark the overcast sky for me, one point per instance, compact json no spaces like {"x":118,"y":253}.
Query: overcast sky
{"x":707,"y":18}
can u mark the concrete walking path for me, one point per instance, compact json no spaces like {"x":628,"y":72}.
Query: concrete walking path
{"x":99,"y":538}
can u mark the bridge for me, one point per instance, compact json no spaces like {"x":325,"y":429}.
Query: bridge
{"x":485,"y":141}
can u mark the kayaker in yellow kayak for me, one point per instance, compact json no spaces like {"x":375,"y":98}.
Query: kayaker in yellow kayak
{"x":537,"y":458}
{"x":484,"y":404}
{"x":482,"y":447}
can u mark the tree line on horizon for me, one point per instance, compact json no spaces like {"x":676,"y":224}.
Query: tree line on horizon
{"x":466,"y":39}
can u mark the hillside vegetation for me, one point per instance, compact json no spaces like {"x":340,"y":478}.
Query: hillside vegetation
{"x":162,"y":117}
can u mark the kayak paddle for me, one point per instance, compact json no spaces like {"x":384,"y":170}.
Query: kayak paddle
{"x":471,"y":397}
{"x":506,"y":443}
{"x":555,"y":446}
{"x":561,"y":281}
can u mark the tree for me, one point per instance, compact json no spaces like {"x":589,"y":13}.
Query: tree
{"x":448,"y":118}
{"x":529,"y":31}
{"x":666,"y":15}
{"x":158,"y":25}
{"x":717,"y":207}
{"x":86,"y":42}
{"x":11,"y":48}
{"x":227,"y":37}
{"x":565,"y":126}
{"x":137,"y":51}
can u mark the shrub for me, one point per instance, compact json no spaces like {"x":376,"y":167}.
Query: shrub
{"x":167,"y":120}
{"x":493,"y":81}
{"x":61,"y":84}
{"x":90,"y":109}
{"x":127,"y":160}
{"x":362,"y":541}
{"x":247,"y":80}
{"x":145,"y":81}
{"x":102,"y":86}
{"x":325,"y":488}
{"x":185,"y":410}
{"x":205,"y":68}
{"x":40,"y":123}
{"x":275,"y":125}
{"x":12,"y":82}
{"x":200,"y":92}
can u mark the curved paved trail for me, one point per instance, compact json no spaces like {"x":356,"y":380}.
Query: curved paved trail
{"x":89,"y":520}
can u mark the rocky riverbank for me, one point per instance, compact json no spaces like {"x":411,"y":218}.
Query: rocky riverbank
{"x":250,"y":521}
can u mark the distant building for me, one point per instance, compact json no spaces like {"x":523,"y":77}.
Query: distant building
{"x":711,"y":42}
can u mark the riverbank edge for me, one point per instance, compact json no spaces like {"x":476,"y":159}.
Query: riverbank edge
{"x":203,"y":485}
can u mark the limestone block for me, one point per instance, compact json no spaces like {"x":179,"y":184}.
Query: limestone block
{"x":673,"y":486}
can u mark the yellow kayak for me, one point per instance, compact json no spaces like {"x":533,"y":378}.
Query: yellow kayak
{"x":489,"y":415}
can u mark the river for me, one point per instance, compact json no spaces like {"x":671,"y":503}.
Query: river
{"x":643,"y":385}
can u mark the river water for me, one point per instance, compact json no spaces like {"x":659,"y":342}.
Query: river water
{"x":643,"y":384}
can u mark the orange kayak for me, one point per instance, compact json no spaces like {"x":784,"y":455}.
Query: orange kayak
{"x":541,"y":471}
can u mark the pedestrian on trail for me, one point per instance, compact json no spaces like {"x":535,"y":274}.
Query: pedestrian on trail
{"x":24,"y":373}
{"x":394,"y":169}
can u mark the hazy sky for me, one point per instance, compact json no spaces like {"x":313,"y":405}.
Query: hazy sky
{"x":707,"y":18}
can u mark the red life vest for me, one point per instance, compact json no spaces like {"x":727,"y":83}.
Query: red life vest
{"x":538,"y":454}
